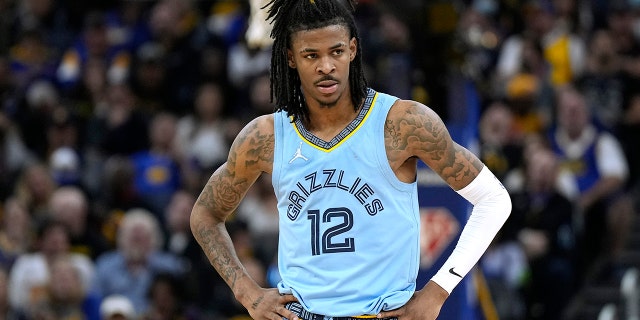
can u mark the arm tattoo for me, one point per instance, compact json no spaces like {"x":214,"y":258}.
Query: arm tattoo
{"x":393,"y":134}
{"x":427,"y":135}
{"x":225,"y":188}
{"x":220,"y":193}
{"x":248,"y":157}
{"x":417,"y":130}
{"x":256,"y":303}
{"x":257,"y":145}
{"x":260,"y":148}
{"x":213,"y":244}
{"x":465,"y":166}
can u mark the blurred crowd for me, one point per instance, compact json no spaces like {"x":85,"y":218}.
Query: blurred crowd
{"x":559,"y":126}
{"x":113,"y":114}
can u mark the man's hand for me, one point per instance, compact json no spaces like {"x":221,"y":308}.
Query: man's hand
{"x":424,"y":305}
{"x":269,"y":305}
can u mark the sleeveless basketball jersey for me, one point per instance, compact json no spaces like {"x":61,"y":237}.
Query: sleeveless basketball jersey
{"x":349,"y":241}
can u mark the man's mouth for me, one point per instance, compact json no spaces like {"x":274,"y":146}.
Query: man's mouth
{"x":327,"y":86}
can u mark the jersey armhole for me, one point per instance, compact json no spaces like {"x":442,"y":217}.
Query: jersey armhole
{"x":384,"y":104}
{"x":278,"y":119}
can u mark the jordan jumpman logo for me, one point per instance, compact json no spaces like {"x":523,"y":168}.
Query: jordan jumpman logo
{"x":298,"y":154}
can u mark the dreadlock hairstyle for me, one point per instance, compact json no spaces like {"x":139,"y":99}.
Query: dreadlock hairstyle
{"x":290,"y":16}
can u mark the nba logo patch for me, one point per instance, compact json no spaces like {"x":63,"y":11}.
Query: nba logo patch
{"x":438,"y":227}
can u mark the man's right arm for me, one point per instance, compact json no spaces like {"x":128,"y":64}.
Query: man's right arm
{"x":250,"y":155}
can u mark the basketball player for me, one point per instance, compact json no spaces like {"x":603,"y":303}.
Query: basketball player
{"x":343,"y":160}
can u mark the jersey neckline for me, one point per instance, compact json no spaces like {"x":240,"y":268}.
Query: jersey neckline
{"x":350,"y":129}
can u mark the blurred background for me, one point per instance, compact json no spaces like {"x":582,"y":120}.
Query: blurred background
{"x":113,"y":114}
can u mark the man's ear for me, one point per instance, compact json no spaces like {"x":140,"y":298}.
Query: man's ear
{"x":290,"y":61}
{"x":353,"y":48}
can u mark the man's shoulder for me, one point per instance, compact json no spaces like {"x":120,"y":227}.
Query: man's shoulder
{"x":255,"y":143}
{"x":259,"y":130}
{"x":405,"y":108}
{"x":261,"y":125}
{"x":264,"y":121}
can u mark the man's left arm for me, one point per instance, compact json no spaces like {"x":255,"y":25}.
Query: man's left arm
{"x":431,"y":142}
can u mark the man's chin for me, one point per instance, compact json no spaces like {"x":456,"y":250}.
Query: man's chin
{"x":328,"y":105}
{"x":327,"y":102}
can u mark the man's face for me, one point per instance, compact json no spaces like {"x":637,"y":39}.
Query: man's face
{"x":322,"y":58}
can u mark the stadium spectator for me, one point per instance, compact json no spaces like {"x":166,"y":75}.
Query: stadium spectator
{"x":122,"y":129}
{"x":129,"y":269}
{"x":604,"y":83}
{"x":149,"y":78}
{"x":202,"y":138}
{"x":6,"y":311}
{"x":34,"y":188}
{"x":599,"y":165}
{"x":70,"y":206}
{"x":50,"y":17}
{"x":15,"y":232}
{"x":542,"y":223}
{"x":35,"y":113}
{"x":65,"y":297}
{"x":629,"y":135}
{"x":31,"y":59}
{"x":117,"y":307}
{"x":157,"y":172}
{"x":498,"y":148}
{"x":166,"y":299}
{"x":174,"y":25}
{"x":30,"y":276}
{"x":14,"y":155}
{"x":201,"y":283}
{"x":563,"y":50}
{"x":93,"y":43}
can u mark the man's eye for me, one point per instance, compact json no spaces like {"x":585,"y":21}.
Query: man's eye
{"x":311,"y":56}
{"x":338,"y":52}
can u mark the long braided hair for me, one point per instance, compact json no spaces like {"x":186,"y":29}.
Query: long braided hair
{"x":290,"y":16}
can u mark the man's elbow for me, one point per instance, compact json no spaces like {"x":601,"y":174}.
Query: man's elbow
{"x":201,"y":218}
{"x":194,"y":221}
{"x":505,"y":203}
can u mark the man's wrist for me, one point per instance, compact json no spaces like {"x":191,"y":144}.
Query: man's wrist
{"x":245,"y":290}
{"x":435,"y":293}
{"x":446,"y":280}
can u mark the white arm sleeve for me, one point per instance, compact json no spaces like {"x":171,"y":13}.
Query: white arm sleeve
{"x":491,"y":208}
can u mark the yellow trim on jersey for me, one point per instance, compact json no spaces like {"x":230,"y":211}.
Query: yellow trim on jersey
{"x":295,"y":127}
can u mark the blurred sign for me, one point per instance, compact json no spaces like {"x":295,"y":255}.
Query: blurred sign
{"x":438,"y":228}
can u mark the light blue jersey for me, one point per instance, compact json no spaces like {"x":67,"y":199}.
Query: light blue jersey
{"x":346,"y":221}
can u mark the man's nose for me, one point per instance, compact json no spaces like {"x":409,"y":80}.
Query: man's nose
{"x":325,"y":65}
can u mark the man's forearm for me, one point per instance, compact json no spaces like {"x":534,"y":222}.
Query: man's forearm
{"x":216,"y":243}
{"x":492,"y":206}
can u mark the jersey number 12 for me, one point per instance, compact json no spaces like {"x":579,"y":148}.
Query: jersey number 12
{"x":327,"y":242}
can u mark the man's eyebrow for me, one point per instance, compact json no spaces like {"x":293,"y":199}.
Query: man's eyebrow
{"x":336,"y":46}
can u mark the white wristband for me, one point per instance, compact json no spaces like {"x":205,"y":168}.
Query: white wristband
{"x":491,"y":209}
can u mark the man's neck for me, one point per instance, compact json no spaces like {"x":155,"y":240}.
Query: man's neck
{"x":327,"y":122}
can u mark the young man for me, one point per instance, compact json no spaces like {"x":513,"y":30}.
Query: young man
{"x":343,"y":160}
